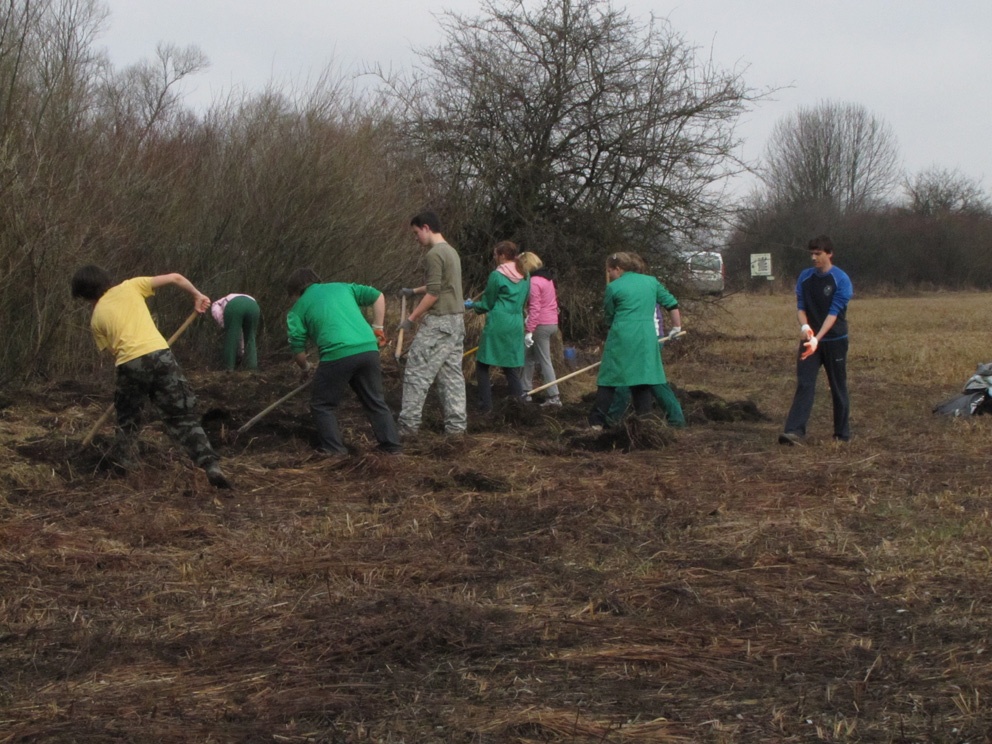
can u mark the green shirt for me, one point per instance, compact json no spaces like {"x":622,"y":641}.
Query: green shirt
{"x":444,"y":280}
{"x":330,"y":316}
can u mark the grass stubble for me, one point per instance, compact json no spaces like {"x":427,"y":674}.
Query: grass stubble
{"x":531,"y":582}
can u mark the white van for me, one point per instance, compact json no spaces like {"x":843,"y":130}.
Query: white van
{"x":706,"y":272}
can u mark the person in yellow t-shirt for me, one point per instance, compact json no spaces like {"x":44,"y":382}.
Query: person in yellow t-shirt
{"x":146,"y":369}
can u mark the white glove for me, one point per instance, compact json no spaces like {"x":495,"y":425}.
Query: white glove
{"x":528,"y":340}
{"x":676,"y":330}
{"x":807,"y":332}
{"x":810,"y":348}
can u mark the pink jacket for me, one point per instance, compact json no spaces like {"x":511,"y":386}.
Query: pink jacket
{"x":542,"y":304}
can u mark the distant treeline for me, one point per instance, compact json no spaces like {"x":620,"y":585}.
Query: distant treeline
{"x":883,"y":249}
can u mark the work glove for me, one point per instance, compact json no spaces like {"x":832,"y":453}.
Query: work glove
{"x":807,"y":332}
{"x":676,"y":330}
{"x":406,"y":325}
{"x":305,"y":372}
{"x":528,"y":340}
{"x":469,"y":304}
{"x":380,"y":336}
{"x":407,"y":292}
{"x":810,"y":347}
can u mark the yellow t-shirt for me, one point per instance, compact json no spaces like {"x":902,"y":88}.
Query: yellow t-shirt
{"x":122,"y":322}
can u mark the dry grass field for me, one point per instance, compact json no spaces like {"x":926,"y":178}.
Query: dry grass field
{"x":531,"y":582}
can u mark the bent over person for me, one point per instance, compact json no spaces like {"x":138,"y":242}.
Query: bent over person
{"x":238,"y":315}
{"x":330,"y":315}
{"x":146,"y":368}
{"x":436,"y":352}
{"x":822,"y":294}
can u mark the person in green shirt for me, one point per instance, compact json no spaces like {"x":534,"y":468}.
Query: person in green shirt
{"x":330,"y":316}
{"x":631,"y":356}
{"x":502,"y":341}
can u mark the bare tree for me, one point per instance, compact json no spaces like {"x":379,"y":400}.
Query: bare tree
{"x":834,"y":155}
{"x":566,"y":124}
{"x":936,"y":191}
{"x":145,"y":95}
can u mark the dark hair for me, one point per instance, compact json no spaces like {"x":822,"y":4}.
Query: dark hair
{"x":90,"y":282}
{"x":506,"y":249}
{"x":427,"y":218}
{"x":821,"y":243}
{"x":299,"y":280}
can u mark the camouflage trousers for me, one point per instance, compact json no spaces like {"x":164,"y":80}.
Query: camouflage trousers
{"x":157,"y":377}
{"x":436,"y":354}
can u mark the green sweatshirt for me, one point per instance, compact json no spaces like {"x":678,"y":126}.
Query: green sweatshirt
{"x":330,"y":315}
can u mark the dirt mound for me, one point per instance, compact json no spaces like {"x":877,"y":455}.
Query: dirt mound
{"x":701,"y":407}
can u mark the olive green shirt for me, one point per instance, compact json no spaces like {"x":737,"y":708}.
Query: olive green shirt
{"x":444,"y":280}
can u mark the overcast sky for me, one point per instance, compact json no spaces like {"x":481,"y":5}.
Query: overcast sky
{"x":920,"y":65}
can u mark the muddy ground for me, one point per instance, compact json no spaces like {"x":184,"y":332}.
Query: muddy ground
{"x":530,"y":582}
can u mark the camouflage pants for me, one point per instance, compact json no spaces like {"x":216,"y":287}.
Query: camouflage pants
{"x":436,"y":353}
{"x":156,"y":376}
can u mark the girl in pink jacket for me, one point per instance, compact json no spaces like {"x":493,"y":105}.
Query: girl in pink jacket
{"x":540,"y":325}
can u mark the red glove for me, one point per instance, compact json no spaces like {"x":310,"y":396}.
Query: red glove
{"x":381,"y":336}
{"x":810,"y":347}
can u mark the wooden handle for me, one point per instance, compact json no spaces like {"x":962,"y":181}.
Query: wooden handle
{"x":255,"y":419}
{"x":545,"y":386}
{"x":399,"y":336}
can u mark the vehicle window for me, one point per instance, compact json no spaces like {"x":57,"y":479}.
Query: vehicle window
{"x":705,"y":263}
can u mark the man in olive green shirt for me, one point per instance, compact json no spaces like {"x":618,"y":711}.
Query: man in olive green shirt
{"x":436,"y":352}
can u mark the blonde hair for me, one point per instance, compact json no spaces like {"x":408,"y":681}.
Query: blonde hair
{"x":528,"y":262}
{"x":625,"y":261}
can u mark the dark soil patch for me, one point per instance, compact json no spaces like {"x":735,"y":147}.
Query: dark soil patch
{"x":530,"y":581}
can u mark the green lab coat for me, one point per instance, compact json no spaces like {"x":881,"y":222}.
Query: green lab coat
{"x":631,"y":355}
{"x":502,"y":342}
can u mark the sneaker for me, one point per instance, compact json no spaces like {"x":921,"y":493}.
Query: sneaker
{"x":527,"y":399}
{"x":216,"y":476}
{"x":407,"y":432}
{"x":595,"y":428}
{"x":554,"y":402}
{"x":793,"y":440}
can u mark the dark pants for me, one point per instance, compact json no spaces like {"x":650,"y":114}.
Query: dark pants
{"x":832,"y":356}
{"x":157,"y":377}
{"x":363,"y":374}
{"x":641,"y":395}
{"x":662,"y":393}
{"x":486,"y":386}
{"x":240,"y":322}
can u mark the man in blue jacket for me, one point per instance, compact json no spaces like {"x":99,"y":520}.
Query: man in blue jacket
{"x":822,"y":294}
